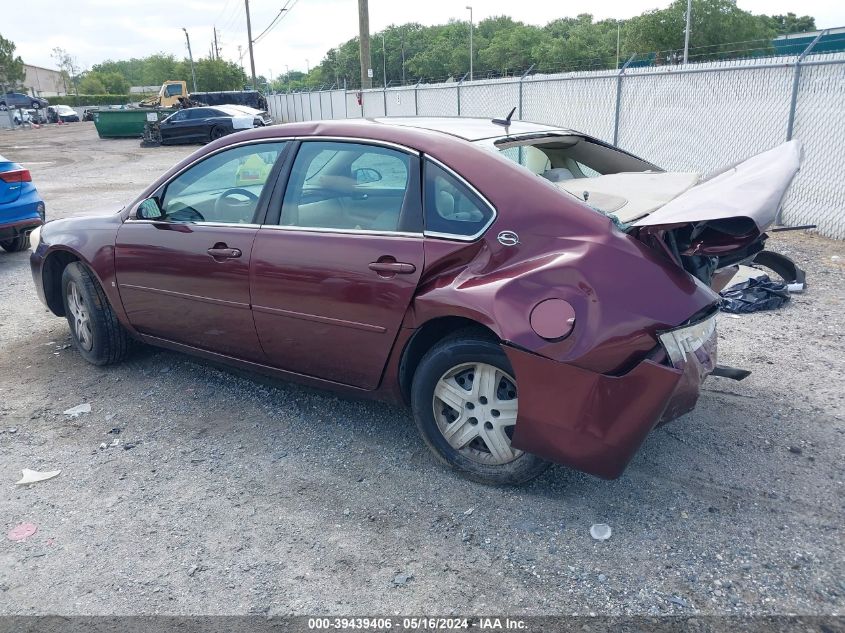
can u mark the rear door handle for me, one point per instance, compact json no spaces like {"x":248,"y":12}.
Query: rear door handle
{"x":224,"y":252}
{"x":393,"y":268}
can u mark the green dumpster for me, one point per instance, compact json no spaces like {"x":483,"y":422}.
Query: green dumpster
{"x":126,"y":123}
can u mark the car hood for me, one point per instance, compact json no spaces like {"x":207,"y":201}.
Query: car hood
{"x":750,"y":190}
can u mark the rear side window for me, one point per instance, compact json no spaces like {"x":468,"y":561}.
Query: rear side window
{"x":452,"y":208}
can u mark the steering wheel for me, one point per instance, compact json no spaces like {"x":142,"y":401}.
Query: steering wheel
{"x":186,"y":214}
{"x":228,"y":202}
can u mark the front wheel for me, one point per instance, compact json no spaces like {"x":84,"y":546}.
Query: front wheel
{"x":16,"y":244}
{"x":465,"y":404}
{"x":94,"y":327}
{"x":216,"y":133}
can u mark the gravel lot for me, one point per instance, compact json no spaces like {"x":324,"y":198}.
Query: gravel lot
{"x":233,"y":494}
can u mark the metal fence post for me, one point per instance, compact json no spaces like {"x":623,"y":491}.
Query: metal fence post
{"x":522,"y":79}
{"x":416,"y":101}
{"x":619,"y":98}
{"x":331,"y":101}
{"x":459,"y":92}
{"x":320,"y":99}
{"x":795,"y":80}
{"x":345,"y":100}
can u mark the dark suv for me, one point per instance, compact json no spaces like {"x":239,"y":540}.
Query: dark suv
{"x":21,"y":100}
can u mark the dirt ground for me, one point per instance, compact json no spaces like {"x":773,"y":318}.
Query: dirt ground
{"x":230,"y":494}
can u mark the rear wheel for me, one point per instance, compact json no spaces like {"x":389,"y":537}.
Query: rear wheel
{"x":465,"y":404}
{"x":16,"y":244}
{"x":94,"y":327}
{"x":216,"y":133}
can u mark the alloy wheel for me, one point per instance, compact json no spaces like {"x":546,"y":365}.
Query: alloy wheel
{"x":80,"y":318}
{"x":475,"y":407}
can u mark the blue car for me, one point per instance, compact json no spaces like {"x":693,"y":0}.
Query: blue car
{"x":21,"y":208}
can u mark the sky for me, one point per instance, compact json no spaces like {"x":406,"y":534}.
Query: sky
{"x":96,"y":30}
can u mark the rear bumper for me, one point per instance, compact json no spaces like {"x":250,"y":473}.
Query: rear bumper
{"x":596,"y":423}
{"x":11,"y":230}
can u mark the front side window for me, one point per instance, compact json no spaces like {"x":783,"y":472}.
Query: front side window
{"x":450,"y":206}
{"x":353,"y":186}
{"x":174,"y":90}
{"x":225,"y":187}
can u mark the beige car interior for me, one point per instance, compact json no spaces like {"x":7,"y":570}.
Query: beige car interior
{"x":610,"y":181}
{"x":335,"y":200}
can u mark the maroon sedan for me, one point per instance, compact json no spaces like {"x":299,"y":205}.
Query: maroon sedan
{"x":532,"y":293}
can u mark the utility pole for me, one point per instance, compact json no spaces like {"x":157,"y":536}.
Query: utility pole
{"x":216,"y":48}
{"x":191,"y":57}
{"x":686,"y":31}
{"x":617,"y":43}
{"x":364,"y":43}
{"x":384,"y":60}
{"x":403,"y":57}
{"x":470,"y":42}
{"x":249,"y":39}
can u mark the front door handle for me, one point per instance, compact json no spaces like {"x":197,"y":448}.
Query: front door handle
{"x":393,"y":268}
{"x":224,"y":252}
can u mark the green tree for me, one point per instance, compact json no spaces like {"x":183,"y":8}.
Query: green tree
{"x":91,"y":83}
{"x":719,"y":28}
{"x":790,"y":23}
{"x":11,"y":65}
{"x":115,"y":83}
{"x":578,"y":44}
{"x":212,"y":74}
{"x":68,"y":67}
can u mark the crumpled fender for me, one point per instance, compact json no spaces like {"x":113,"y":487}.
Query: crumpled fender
{"x":622,"y":293}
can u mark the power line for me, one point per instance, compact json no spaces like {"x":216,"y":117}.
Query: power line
{"x":289,"y":5}
{"x":223,"y":10}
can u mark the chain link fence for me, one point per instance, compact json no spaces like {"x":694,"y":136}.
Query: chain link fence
{"x":696,"y":117}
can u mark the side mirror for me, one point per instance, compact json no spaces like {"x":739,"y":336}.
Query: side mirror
{"x":149,"y":210}
{"x":366,"y":175}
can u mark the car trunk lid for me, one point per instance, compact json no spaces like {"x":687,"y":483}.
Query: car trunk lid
{"x":12,"y":177}
{"x":730,"y":209}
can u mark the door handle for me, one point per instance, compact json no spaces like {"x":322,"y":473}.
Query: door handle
{"x":224,"y":252}
{"x":393,"y":268}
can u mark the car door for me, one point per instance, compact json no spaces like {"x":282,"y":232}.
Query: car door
{"x":176,"y":126}
{"x":198,"y":124}
{"x":182,"y":258}
{"x":333,"y":277}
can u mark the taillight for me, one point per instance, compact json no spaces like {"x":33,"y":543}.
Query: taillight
{"x":16,"y":175}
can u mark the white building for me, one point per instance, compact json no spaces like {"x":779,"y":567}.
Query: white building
{"x":44,"y":82}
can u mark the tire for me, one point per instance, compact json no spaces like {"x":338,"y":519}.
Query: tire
{"x":216,"y":133}
{"x":36,"y":105}
{"x":103,"y":341}
{"x":465,"y":363}
{"x":16,"y":244}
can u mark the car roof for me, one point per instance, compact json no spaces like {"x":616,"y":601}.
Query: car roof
{"x":470,"y":129}
{"x":229,"y":108}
